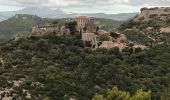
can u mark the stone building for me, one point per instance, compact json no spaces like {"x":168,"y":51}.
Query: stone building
{"x":41,"y":30}
{"x":91,"y":37}
{"x":85,"y":24}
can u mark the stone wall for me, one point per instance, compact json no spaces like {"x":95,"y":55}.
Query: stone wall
{"x":91,"y":37}
{"x":41,"y":30}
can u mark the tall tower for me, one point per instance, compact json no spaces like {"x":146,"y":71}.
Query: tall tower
{"x":81,"y":22}
{"x":85,"y":24}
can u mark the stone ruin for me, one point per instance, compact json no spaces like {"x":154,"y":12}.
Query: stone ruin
{"x":91,"y":37}
{"x":44,"y":29}
{"x":85,"y":24}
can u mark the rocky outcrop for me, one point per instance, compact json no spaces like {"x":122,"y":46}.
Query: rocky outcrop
{"x":147,"y":13}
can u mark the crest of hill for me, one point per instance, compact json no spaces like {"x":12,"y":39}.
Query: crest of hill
{"x":19,"y":23}
{"x":149,"y":17}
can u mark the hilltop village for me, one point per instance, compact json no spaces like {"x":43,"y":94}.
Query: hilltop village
{"x":86,"y":27}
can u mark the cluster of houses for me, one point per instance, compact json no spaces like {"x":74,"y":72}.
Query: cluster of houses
{"x":89,"y":30}
{"x":91,"y":33}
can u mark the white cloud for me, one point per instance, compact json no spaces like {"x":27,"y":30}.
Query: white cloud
{"x":88,"y":5}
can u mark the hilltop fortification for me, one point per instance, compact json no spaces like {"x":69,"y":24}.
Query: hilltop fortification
{"x":147,"y":13}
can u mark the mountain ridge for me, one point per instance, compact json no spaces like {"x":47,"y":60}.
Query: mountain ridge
{"x":58,"y":13}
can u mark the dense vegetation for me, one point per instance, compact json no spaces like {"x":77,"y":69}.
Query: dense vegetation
{"x":66,"y":69}
{"x":116,"y":94}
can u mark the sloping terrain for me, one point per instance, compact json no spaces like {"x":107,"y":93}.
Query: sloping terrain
{"x":18,"y":23}
{"x":59,"y":68}
{"x":151,"y":28}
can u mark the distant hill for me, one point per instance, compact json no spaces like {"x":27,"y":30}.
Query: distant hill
{"x":45,"y":12}
{"x":18,"y":23}
{"x":23,"y":23}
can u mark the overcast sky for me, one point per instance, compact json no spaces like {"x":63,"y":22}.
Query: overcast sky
{"x":85,"y":6}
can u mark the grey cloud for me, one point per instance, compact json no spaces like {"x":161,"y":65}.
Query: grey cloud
{"x":100,"y":5}
{"x":84,"y":2}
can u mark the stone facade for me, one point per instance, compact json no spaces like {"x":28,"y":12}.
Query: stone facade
{"x":91,"y":37}
{"x":85,"y":24}
{"x":42,"y":30}
{"x":18,"y":36}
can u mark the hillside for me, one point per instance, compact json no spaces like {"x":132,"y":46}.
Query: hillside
{"x":152,"y":25}
{"x":22,"y":23}
{"x":52,"y":67}
{"x":2,"y":18}
{"x":60,"y":68}
{"x":18,"y":23}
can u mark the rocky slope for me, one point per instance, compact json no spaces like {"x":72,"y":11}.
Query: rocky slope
{"x":153,"y":23}
{"x":60,"y":68}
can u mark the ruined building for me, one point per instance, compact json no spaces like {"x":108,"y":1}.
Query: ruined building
{"x":91,"y":37}
{"x":85,"y":24}
{"x":41,"y":30}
